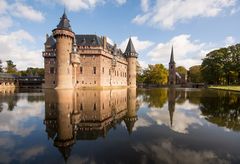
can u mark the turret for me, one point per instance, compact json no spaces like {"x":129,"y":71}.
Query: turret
{"x":172,"y":70}
{"x":131,"y":115}
{"x":131,"y":55}
{"x":64,"y":41}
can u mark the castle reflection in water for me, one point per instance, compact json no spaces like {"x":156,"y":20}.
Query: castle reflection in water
{"x":72,"y":115}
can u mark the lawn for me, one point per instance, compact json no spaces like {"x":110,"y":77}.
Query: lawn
{"x":229,"y":88}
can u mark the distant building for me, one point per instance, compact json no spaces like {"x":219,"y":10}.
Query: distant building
{"x":76,"y":61}
{"x":174,"y":77}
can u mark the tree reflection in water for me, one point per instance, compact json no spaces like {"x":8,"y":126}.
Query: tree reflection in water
{"x":221,"y":108}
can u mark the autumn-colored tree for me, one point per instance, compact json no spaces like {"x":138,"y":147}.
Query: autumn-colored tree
{"x":181,"y":70}
{"x":156,"y":74}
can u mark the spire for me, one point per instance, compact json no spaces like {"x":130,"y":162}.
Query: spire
{"x":130,"y":50}
{"x":64,"y":22}
{"x":172,"y":57}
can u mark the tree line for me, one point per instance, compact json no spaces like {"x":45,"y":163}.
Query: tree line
{"x":222,"y":66}
{"x":10,"y":68}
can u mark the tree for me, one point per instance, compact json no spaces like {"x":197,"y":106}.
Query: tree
{"x":194,"y":74}
{"x":222,"y":66}
{"x":11,"y":68}
{"x":156,"y":74}
{"x":181,"y":70}
{"x":1,"y":68}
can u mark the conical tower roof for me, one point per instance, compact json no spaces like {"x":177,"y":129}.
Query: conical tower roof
{"x":130,"y":50}
{"x":64,"y":23}
{"x":172,"y":57}
{"x":50,"y":41}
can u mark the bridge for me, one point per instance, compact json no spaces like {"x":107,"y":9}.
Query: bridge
{"x":12,"y":81}
{"x":8,"y":80}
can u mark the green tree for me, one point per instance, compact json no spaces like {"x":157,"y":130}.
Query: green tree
{"x":1,"y":67}
{"x":11,"y":68}
{"x":194,"y":74}
{"x":156,"y":74}
{"x":181,"y":70}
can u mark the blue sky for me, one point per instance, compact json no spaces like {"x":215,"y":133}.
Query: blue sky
{"x":193,"y":27}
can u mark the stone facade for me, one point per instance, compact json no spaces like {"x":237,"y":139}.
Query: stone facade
{"x":79,"y":61}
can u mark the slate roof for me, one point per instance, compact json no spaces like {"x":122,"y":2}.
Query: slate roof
{"x":172,"y":57}
{"x":130,"y":49}
{"x":51,"y":42}
{"x":64,"y":23}
{"x":88,"y":40}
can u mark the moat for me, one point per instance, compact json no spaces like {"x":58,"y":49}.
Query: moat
{"x":120,"y":126}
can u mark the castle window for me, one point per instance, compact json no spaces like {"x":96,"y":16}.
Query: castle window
{"x":103,"y":70}
{"x":94,"y":106}
{"x":81,"y":107}
{"x":81,"y":70}
{"x":52,"y":70}
{"x":53,"y":82}
{"x":82,"y":82}
{"x":109,"y":72}
{"x":94,"y":70}
{"x":94,"y":82}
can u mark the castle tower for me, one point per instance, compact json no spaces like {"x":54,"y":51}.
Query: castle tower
{"x":65,"y":138}
{"x":131,"y":55}
{"x":131,"y":116}
{"x":172,"y":70}
{"x":64,"y":40}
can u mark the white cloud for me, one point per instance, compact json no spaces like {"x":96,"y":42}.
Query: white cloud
{"x":138,"y":44}
{"x":109,"y":40}
{"x":15,"y":121}
{"x":12,"y":47}
{"x":24,"y":11}
{"x":187,"y":52}
{"x":144,"y":5}
{"x":166,"y":13}
{"x":121,"y":2}
{"x":3,"y":6}
{"x":166,"y":152}
{"x":6,"y":22}
{"x":76,"y":5}
{"x":230,"y":41}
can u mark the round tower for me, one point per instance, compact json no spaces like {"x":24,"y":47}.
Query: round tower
{"x":64,"y":40}
{"x":131,"y":55}
{"x":131,"y":115}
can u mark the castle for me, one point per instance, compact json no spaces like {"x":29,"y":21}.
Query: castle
{"x":79,"y":61}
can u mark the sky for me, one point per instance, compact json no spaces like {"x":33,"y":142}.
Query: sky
{"x":192,"y":27}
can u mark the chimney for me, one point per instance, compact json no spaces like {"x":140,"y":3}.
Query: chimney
{"x":47,"y":36}
{"x":104,"y":42}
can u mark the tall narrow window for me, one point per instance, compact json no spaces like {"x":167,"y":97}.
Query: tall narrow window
{"x":94,"y":106}
{"x":94,"y":70}
{"x":103,"y":70}
{"x":52,"y":70}
{"x":81,"y":70}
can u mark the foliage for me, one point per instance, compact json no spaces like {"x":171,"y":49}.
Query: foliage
{"x":1,"y":67}
{"x":156,"y":74}
{"x":11,"y":68}
{"x":181,"y":70}
{"x":222,"y":66}
{"x":32,"y":72}
{"x":194,"y":74}
{"x":155,"y":98}
{"x":221,"y":108}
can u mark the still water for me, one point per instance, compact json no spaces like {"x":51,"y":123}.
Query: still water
{"x":120,"y":126}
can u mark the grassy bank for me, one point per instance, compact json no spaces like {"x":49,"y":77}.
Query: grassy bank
{"x":227,"y":88}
